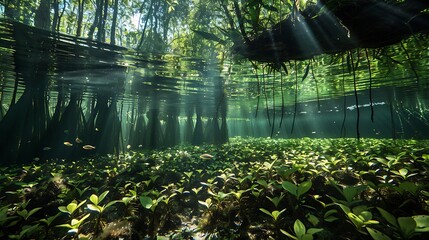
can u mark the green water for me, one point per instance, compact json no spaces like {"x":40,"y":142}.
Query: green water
{"x":57,"y":89}
{"x":103,"y":142}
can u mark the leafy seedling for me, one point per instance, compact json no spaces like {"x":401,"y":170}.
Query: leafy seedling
{"x":349,"y":193}
{"x":404,"y":173}
{"x":74,"y":224}
{"x":300,"y":231}
{"x":377,"y":235}
{"x":407,"y":227}
{"x":274,"y":214}
{"x":151,"y":204}
{"x":96,"y":207}
{"x":95,"y":202}
{"x":297,"y":190}
{"x":26,"y":232}
{"x":207,"y":203}
{"x":25,"y":214}
{"x":359,"y":216}
{"x":71,"y":207}
{"x":276,"y":200}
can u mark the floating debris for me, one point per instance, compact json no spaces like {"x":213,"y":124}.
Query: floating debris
{"x":68,"y":144}
{"x":206,"y":156}
{"x":128,"y":146}
{"x":78,"y":140}
{"x":88,"y":147}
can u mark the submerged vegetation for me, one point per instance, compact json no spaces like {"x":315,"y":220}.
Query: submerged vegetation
{"x":92,"y":127}
{"x":109,"y":73}
{"x":247,"y":189}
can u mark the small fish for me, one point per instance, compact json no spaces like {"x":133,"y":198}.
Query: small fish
{"x":68,"y":144}
{"x":140,"y":146}
{"x":206,"y":156}
{"x":78,"y":140}
{"x":36,"y":159}
{"x":96,"y":129}
{"x":46,"y":148}
{"x":88,"y":147}
{"x":128,"y":146}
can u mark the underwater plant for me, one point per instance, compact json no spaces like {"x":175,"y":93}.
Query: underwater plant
{"x":300,"y":195}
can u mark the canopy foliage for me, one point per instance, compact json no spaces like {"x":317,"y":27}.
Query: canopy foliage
{"x":205,"y":28}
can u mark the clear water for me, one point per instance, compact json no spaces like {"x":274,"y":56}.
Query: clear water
{"x":61,"y":89}
{"x":65,"y":99}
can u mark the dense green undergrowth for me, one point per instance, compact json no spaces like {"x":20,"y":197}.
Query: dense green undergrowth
{"x":246,"y":189}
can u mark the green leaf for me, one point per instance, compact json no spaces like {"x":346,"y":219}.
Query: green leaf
{"x":299,"y":228}
{"x":290,"y":187}
{"x":344,"y":208}
{"x":307,"y":237}
{"x":127,"y":200}
{"x":403,"y":172}
{"x":222,"y":195}
{"x":314,"y":230}
{"x":63,"y":209}
{"x":64,"y":225}
{"x":355,"y":220}
{"x":81,"y":203}
{"x":388,"y":216}
{"x":275,"y":214}
{"x":146,"y":202}
{"x":28,"y":229}
{"x":288,"y":234}
{"x":102,"y":196}
{"x":351,"y":192}
{"x":206,"y":203}
{"x":409,"y":187}
{"x":50,"y":219}
{"x":303,"y":188}
{"x":265,"y":211}
{"x":407,"y":226}
{"x":377,"y":235}
{"x":285,"y":172}
{"x":422,"y":223}
{"x":77,"y":223}
{"x":111,"y":203}
{"x":263,"y":183}
{"x":312,"y":219}
{"x":330,"y":219}
{"x":23,"y":213}
{"x":276,"y":200}
{"x":94,"y":199}
{"x":32,"y":211}
{"x":365,"y":215}
{"x":71,"y":207}
{"x":93,"y":207}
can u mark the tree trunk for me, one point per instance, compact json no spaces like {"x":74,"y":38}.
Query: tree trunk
{"x":115,"y":17}
{"x":101,"y":33}
{"x":80,"y":17}
{"x":145,"y":24}
{"x":56,"y":6}
{"x":97,"y":19}
{"x":61,"y":15}
{"x":43,"y":18}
